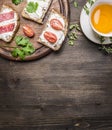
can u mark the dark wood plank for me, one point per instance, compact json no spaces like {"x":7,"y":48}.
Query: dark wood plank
{"x":68,"y":90}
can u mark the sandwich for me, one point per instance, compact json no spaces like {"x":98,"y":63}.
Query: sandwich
{"x":55,"y":31}
{"x":35,"y":10}
{"x":9,"y":23}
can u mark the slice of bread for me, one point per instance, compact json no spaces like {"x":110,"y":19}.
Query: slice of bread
{"x":38,"y":16}
{"x":60,"y":34}
{"x":9,"y":23}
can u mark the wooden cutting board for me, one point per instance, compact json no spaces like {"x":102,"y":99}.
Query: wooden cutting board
{"x":41,"y":51}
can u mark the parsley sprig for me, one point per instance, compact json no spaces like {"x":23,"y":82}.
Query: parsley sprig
{"x":32,"y":7}
{"x":16,"y":2}
{"x":23,"y":49}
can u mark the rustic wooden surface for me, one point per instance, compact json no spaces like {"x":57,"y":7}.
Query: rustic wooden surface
{"x":41,"y":51}
{"x":68,"y":90}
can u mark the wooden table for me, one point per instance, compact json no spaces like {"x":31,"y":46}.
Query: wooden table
{"x":68,"y":90}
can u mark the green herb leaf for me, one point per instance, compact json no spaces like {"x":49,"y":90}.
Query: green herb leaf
{"x":91,"y":2}
{"x":86,"y":9}
{"x":77,"y":27}
{"x":73,"y":34}
{"x":18,"y":39}
{"x":32,"y":7}
{"x":29,"y":49}
{"x":106,"y":49}
{"x":24,"y":47}
{"x":22,"y":42}
{"x":71,"y":42}
{"x":75,"y":4}
{"x":101,"y":38}
{"x":16,"y":2}
{"x":18,"y":53}
{"x":72,"y":26}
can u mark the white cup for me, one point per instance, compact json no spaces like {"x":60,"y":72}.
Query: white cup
{"x":97,"y":3}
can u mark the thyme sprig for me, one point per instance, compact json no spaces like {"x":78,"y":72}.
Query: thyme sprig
{"x":86,"y":8}
{"x":106,"y":49}
{"x":73,"y":34}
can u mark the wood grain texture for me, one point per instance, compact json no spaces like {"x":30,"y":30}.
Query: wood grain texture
{"x":68,"y":90}
{"x":41,"y":51}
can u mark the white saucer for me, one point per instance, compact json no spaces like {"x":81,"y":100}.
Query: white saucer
{"x":87,"y":30}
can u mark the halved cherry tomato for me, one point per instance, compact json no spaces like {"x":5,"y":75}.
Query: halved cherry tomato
{"x":28,"y":31}
{"x":51,"y":37}
{"x":56,"y":24}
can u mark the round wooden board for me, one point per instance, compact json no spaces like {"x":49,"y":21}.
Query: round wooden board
{"x":60,"y":5}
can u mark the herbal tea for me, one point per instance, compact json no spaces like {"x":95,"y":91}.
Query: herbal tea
{"x":101,"y":18}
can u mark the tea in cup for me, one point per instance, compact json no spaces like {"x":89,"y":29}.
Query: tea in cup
{"x":100,"y":17}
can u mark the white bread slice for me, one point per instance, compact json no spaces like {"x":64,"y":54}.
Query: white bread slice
{"x":8,"y":36}
{"x":38,"y":16}
{"x":61,"y":34}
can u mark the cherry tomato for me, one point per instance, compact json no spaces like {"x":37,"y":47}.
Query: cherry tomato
{"x":51,"y":37}
{"x":56,"y":24}
{"x":28,"y":31}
